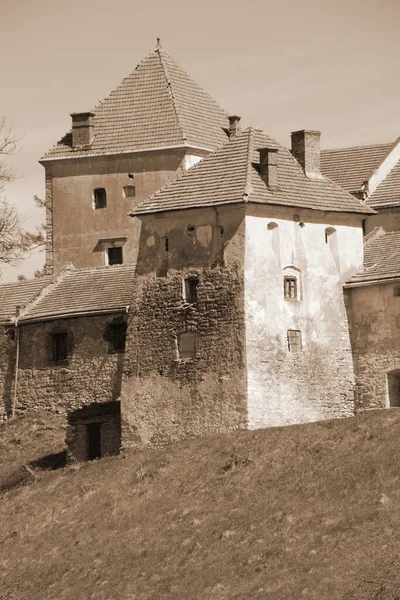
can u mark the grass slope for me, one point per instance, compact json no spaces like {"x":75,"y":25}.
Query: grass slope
{"x":309,"y":511}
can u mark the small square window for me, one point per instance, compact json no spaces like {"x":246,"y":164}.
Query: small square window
{"x":290,"y":288}
{"x":191,"y":289}
{"x":396,"y":291}
{"x":117,"y":337}
{"x":60,"y":346}
{"x":129,"y":191}
{"x":99,"y":198}
{"x":294,"y":340}
{"x":115,"y":256}
{"x":187,"y":345}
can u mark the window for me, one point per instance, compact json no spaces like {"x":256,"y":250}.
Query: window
{"x":191,"y":289}
{"x":128,"y":191}
{"x":329,"y":231}
{"x":99,"y":198}
{"x":396,"y":291}
{"x":294,"y":340}
{"x":60,"y":346}
{"x":117,"y":338}
{"x":290,"y":288}
{"x":187,"y":345}
{"x":115,"y":256}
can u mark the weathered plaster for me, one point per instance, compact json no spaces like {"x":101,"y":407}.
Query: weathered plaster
{"x":375,"y":331}
{"x":316,"y":383}
{"x":165,"y":398}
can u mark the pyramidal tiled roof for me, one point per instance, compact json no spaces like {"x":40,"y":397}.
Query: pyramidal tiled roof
{"x":70,"y":292}
{"x":156,"y":106}
{"x":231,"y":175}
{"x":381,"y":257}
{"x":351,"y":167}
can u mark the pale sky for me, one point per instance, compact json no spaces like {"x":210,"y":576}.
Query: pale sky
{"x":281,"y":65}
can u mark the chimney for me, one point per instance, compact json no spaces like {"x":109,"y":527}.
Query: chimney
{"x":234,"y":126}
{"x":269,"y":167}
{"x":82,"y":129}
{"x":306,"y":150}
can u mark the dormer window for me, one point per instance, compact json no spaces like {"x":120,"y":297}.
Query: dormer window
{"x":99,"y":199}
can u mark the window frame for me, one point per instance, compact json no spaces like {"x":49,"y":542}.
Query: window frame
{"x":60,"y":346}
{"x":294,"y":342}
{"x":290,"y":292}
{"x":96,"y":204}
{"x":187,"y":355}
{"x":190,"y":285}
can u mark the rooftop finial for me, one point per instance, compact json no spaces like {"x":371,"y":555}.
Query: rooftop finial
{"x":158,"y":44}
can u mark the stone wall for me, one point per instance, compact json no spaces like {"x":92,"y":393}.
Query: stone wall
{"x":375,"y":335}
{"x":108,"y":417}
{"x":316,"y":382}
{"x":7,"y":370}
{"x":91,"y":373}
{"x":165,"y":397}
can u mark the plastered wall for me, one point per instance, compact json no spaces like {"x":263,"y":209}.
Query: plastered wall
{"x":317,"y":382}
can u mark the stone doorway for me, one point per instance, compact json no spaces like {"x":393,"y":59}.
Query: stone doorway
{"x":393,"y":383}
{"x":94,"y":431}
{"x":93,"y":437}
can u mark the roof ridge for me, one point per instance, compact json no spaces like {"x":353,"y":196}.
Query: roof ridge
{"x":159,"y":51}
{"x":341,"y":148}
{"x":247,"y":184}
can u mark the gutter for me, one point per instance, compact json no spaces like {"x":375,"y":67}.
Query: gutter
{"x":100,"y":154}
{"x":92,"y":313}
{"x":372,"y":282}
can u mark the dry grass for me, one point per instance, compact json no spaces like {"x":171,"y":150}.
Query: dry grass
{"x":309,"y":511}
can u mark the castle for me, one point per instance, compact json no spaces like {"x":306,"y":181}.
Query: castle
{"x":201,"y":278}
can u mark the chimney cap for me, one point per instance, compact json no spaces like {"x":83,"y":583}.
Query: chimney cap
{"x":233,"y":118}
{"x":305,"y":131}
{"x":85,"y":113}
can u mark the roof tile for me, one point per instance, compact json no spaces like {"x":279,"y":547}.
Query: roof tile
{"x":231,"y":175}
{"x":156,"y":106}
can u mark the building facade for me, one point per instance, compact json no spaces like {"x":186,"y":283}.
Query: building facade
{"x":201,"y":278}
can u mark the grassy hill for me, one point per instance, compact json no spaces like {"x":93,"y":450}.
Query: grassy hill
{"x":309,"y":511}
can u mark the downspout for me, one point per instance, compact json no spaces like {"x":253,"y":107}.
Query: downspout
{"x":14,"y":400}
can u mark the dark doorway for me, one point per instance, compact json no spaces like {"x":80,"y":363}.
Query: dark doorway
{"x":394,"y":388}
{"x":94,"y":440}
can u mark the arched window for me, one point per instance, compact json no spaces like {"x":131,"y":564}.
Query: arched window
{"x":332,"y":241}
{"x":273,"y":230}
{"x":292,"y":289}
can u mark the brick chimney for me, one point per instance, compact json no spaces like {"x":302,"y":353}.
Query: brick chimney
{"x":269,"y":167}
{"x":82,"y":129}
{"x":306,"y":150}
{"x":234,"y":125}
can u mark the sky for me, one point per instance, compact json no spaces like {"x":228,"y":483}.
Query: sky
{"x":281,"y":65}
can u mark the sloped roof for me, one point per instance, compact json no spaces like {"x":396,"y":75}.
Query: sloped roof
{"x":18,"y":294}
{"x":70,"y":292}
{"x":388,"y":191}
{"x":156,"y":106}
{"x":381,"y":257}
{"x":351,"y":167}
{"x":231,"y":175}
